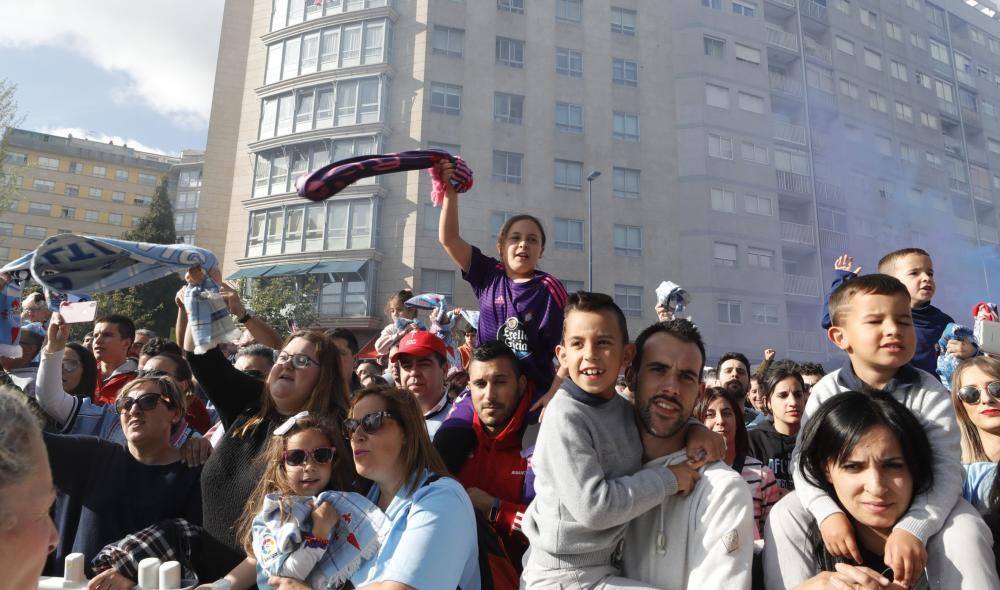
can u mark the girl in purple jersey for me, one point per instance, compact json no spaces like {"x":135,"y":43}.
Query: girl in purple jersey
{"x":519,"y":305}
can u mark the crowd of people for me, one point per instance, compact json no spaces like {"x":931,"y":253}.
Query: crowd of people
{"x":542,"y":447}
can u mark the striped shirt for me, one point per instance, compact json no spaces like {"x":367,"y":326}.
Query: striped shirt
{"x":763,"y":489}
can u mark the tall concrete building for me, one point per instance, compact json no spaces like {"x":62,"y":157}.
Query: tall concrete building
{"x":73,"y":185}
{"x":184,"y":185}
{"x":742,"y":145}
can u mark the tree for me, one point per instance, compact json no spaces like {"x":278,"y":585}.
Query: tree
{"x":8,"y":121}
{"x":150,"y":305}
{"x":282,"y":301}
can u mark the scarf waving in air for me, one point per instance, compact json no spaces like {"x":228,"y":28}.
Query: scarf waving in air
{"x":333,"y":178}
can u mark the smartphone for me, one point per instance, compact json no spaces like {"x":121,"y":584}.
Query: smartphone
{"x":78,"y":312}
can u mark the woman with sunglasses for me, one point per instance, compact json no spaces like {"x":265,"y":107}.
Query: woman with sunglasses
{"x":432,"y":539}
{"x":306,"y":377}
{"x":107,"y":492}
{"x":871,"y":456}
{"x":975,"y":393}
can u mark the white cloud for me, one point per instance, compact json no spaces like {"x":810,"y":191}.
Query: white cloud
{"x":104,"y":138}
{"x":167,"y":49}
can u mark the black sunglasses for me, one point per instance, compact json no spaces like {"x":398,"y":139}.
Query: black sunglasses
{"x":151,"y":373}
{"x":970,"y":394}
{"x":369,"y":423}
{"x":146,"y":402}
{"x":319,"y":455}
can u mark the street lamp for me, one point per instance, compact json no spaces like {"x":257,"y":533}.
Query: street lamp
{"x":590,"y":228}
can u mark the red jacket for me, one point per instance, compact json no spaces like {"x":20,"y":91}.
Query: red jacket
{"x":499,"y":466}
{"x":107,"y":389}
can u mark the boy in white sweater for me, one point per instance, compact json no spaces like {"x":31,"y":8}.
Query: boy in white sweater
{"x":589,"y":479}
{"x":872,"y":323}
{"x":703,"y":539}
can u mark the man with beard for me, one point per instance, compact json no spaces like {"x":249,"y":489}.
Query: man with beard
{"x":734,"y":376}
{"x":498,"y":474}
{"x":703,"y":539}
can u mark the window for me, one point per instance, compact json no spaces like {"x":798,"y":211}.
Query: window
{"x":116,"y":219}
{"x":764,"y":313}
{"x":935,"y":159}
{"x":842,"y":6}
{"x":76,"y":167}
{"x":147,"y":179}
{"x":994,"y":45}
{"x":629,"y":299}
{"x":983,"y":72}
{"x":939,"y":52}
{"x":993,"y":145}
{"x":760,"y":258}
{"x":448,"y":41}
{"x":754,"y":152}
{"x":572,"y":286}
{"x":35,"y":232}
{"x":894,"y":31}
{"x":729,"y":311}
{"x":924,"y":80}
{"x":724,"y":254}
{"x":508,"y":108}
{"x":16,"y":159}
{"x":626,"y":183}
{"x":743,"y":8}
{"x":510,"y":52}
{"x":898,"y":71}
{"x":100,"y":171}
{"x":514,"y":6}
{"x":820,"y":79}
{"x":121,"y":175}
{"x":791,"y":161}
{"x":189,"y":178}
{"x":95,"y":193}
{"x":569,"y":234}
{"x":437,"y":281}
{"x":918,"y":41}
{"x":723,"y":200}
{"x":430,"y":218}
{"x":717,"y":96}
{"x":904,"y":112}
{"x":873,"y":59}
{"x":48,"y":163}
{"x":6,"y":229}
{"x":569,"y":11}
{"x":90,"y":216}
{"x":750,"y":102}
{"x":848,"y":88}
{"x":72,"y":190}
{"x":569,"y":117}
{"x":623,"y":21}
{"x":843,"y":45}
{"x":907,"y":153}
{"x":877,"y":102}
{"x":185,"y":199}
{"x":497,"y":219}
{"x":868,"y":18}
{"x":624,"y":72}
{"x":68,"y":212}
{"x":720,"y":146}
{"x":446,"y":98}
{"x":989,"y":109}
{"x":349,"y":224}
{"x":713,"y":4}
{"x":715,"y":47}
{"x":569,"y":62}
{"x":747,"y":54}
{"x":757,"y":205}
{"x":43,"y":186}
{"x":883,"y":145}
{"x":569,"y":175}
{"x":626,"y":126}
{"x":628,"y":240}
{"x":507,"y":167}
{"x":40,"y":209}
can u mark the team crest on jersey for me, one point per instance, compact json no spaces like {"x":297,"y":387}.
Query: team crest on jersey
{"x":513,"y":334}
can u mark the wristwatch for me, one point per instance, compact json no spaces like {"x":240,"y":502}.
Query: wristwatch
{"x":246,"y":317}
{"x":494,"y":511}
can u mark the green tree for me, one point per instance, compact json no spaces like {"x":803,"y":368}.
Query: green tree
{"x":150,"y":305}
{"x":8,"y":120}
{"x":280,"y":301}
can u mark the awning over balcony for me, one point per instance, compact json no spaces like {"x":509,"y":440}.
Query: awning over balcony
{"x":339,"y":267}
{"x":245,"y":273}
{"x":300,"y":268}
{"x":283,"y":270}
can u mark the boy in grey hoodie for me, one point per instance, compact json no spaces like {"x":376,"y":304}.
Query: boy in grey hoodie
{"x":589,"y":480}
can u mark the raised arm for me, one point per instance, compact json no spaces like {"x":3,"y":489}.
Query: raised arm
{"x":261,"y":331}
{"x":58,"y":404}
{"x":448,"y":233}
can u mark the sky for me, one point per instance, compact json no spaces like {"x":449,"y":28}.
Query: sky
{"x":135,"y":72}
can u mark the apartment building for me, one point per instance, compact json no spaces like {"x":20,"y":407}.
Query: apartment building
{"x":184,"y":185}
{"x":742,"y":147}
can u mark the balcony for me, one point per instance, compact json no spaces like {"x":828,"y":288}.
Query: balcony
{"x":971,"y":120}
{"x":958,"y":185}
{"x":790,"y":132}
{"x":832,"y":241}
{"x":787,"y":4}
{"x":816,"y":12}
{"x":947,"y":109}
{"x":791,"y":182}
{"x":782,"y":39}
{"x":797,"y":233}
{"x":830,"y":194}
{"x":989,"y":234}
{"x":817,"y":51}
{"x":801,"y":286}
{"x":966,"y":228}
{"x":802,"y":341}
{"x":966,"y":78}
{"x":977,"y":155}
{"x":982,"y":193}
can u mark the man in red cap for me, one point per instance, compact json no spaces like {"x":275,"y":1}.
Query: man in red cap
{"x":422,"y":362}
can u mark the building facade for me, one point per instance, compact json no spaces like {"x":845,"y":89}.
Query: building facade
{"x":72,"y":185}
{"x":184,"y":186}
{"x":742,"y":146}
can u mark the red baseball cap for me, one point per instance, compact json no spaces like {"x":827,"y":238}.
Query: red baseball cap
{"x":420,"y":343}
